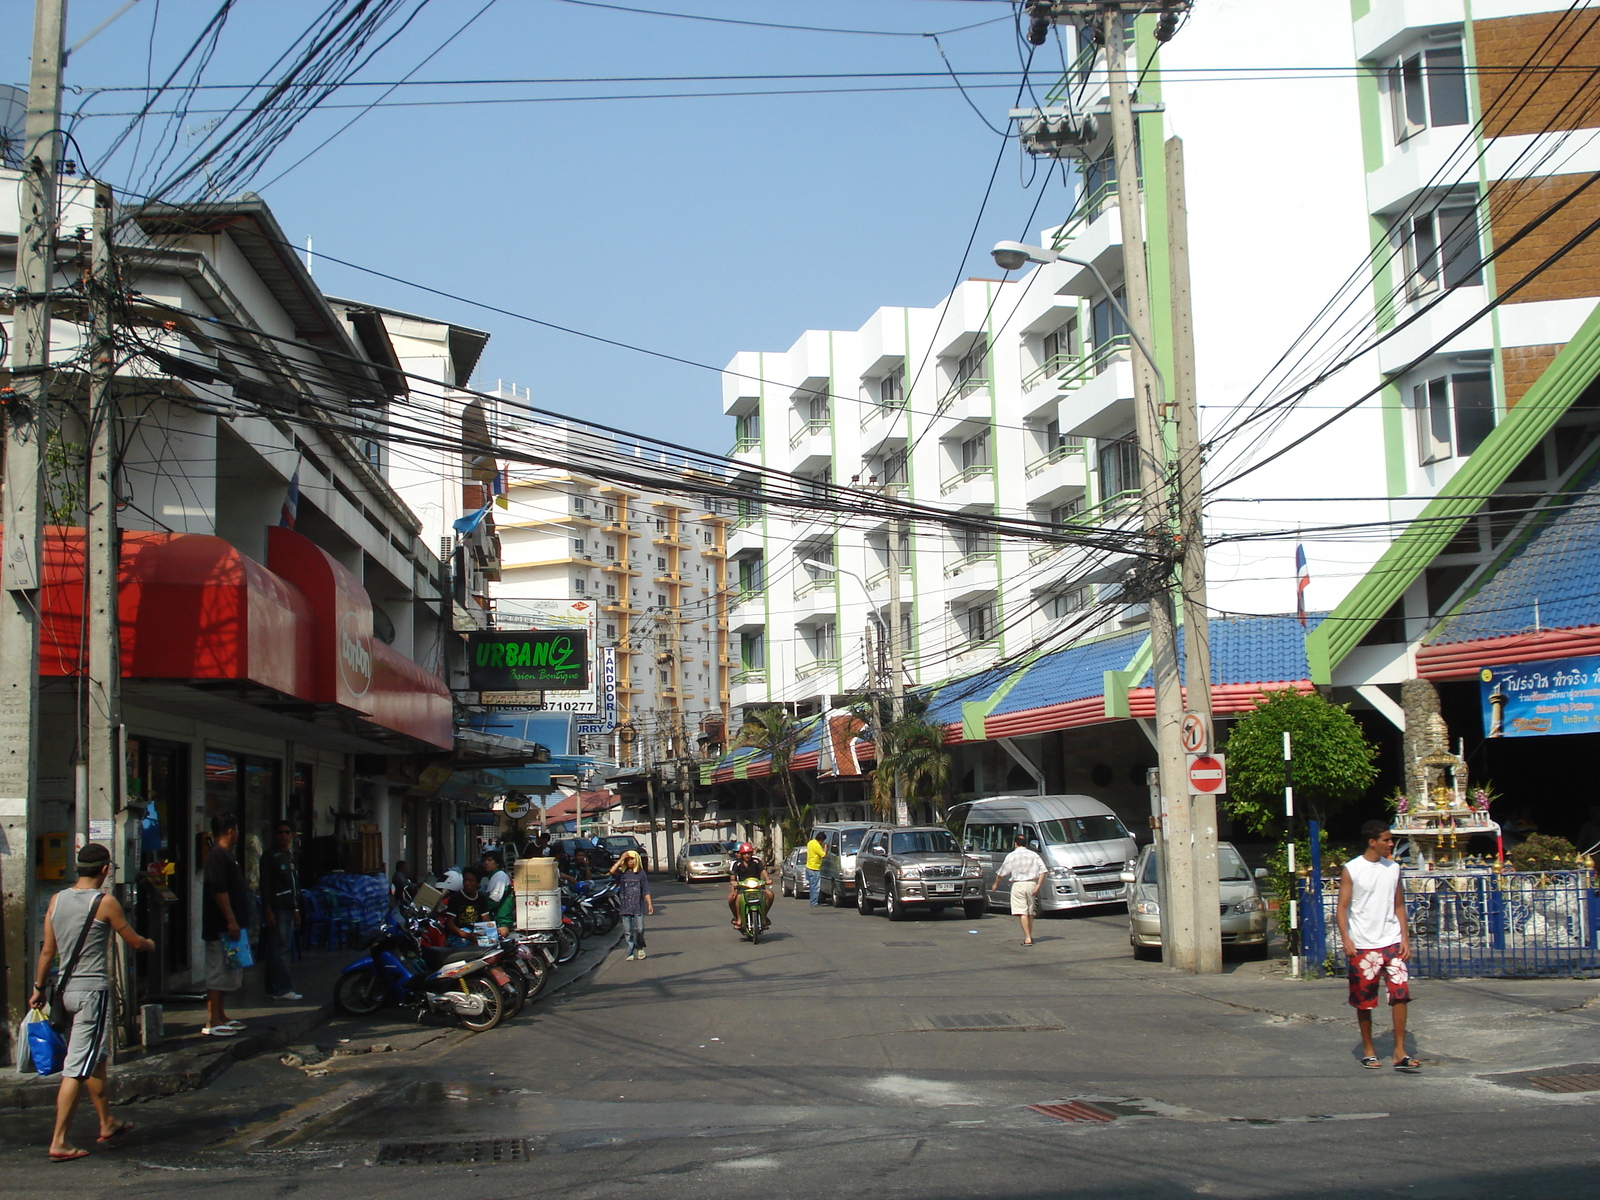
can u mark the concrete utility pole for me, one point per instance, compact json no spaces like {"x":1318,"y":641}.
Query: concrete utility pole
{"x":1176,"y":834}
{"x":19,"y":559}
{"x":1196,"y":616}
{"x":899,"y":537}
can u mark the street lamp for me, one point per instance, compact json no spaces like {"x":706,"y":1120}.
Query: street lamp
{"x":1013,"y":256}
{"x":872,"y":611}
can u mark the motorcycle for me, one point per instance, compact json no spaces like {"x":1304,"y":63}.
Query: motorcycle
{"x":569,"y":940}
{"x":533,"y":957}
{"x":751,"y":896}
{"x":399,"y":969}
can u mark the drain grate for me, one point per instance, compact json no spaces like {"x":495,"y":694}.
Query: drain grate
{"x":910,"y":943}
{"x":480,"y":1151}
{"x":988,"y":1021}
{"x":1073,"y":1110}
{"x":1565,"y":1083}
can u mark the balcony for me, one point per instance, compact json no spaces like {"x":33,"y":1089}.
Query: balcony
{"x":970,"y":485}
{"x":818,"y":666}
{"x":879,"y":578}
{"x":966,"y":400}
{"x":620,"y":607}
{"x":880,"y":412}
{"x":1053,"y":475}
{"x":745,"y":445}
{"x":616,"y":567}
{"x":1120,"y":511}
{"x":671,"y":577}
{"x":748,"y":676}
{"x":1103,"y":405}
{"x":812,"y":431}
{"x":1089,"y":209}
{"x":971,"y":561}
{"x":816,"y":598}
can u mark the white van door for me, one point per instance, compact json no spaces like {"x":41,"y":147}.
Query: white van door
{"x":991,"y":841}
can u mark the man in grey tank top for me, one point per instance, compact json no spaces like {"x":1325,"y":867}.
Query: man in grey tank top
{"x":87,"y":995}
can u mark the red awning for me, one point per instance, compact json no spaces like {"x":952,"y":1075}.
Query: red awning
{"x":593,"y":802}
{"x":1463,"y":660}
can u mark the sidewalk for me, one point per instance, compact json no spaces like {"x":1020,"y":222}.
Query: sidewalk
{"x":186,"y":1059}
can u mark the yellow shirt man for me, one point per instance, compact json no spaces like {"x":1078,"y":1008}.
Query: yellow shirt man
{"x":816,"y":851}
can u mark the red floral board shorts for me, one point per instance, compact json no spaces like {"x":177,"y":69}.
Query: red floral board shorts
{"x":1368,"y":966}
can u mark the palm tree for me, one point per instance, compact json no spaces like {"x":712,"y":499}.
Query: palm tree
{"x":912,"y":748}
{"x":776,"y":731}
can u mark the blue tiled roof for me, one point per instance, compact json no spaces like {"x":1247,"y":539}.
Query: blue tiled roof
{"x":1551,"y":581}
{"x":1071,"y":674}
{"x":1258,"y":649}
{"x":944,"y":707}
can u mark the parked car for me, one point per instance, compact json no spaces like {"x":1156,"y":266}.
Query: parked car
{"x":565,"y":848}
{"x":792,"y":873}
{"x":617,"y":844}
{"x":922,"y":865}
{"x":1082,"y":842}
{"x":701,"y":860}
{"x":1244,"y":916}
{"x":839,"y":867}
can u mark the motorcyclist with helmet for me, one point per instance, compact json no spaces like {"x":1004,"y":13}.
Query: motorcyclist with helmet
{"x":747,"y":864}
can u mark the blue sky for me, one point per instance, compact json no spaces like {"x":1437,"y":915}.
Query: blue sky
{"x":698,"y":227}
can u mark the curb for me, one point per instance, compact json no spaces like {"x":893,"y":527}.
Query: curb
{"x":189,"y":1068}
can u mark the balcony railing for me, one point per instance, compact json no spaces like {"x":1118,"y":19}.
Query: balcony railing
{"x":882,"y":408}
{"x":1089,"y":208}
{"x":965,"y":475}
{"x":808,"y":428}
{"x":1101,"y":514}
{"x":817,"y":666}
{"x":750,"y":595}
{"x":883,"y":576}
{"x":967,"y":561}
{"x":816,"y":583}
{"x":747,"y":518}
{"x":1069,"y":447}
{"x":960,"y":390}
{"x":747,"y":676}
{"x":744,"y":445}
{"x":1049,"y":369}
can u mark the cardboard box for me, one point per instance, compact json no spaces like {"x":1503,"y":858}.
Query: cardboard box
{"x":535,"y":875}
{"x":538,"y":910}
{"x":427,"y":897}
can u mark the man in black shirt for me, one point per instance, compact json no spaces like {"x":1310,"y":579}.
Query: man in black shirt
{"x":467,"y":907}
{"x":223,"y":910}
{"x":280,"y":909}
{"x":747,"y":864}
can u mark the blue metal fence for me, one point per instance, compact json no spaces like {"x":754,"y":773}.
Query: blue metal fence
{"x":1519,"y":923}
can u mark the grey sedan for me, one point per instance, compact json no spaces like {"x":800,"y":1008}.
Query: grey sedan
{"x":701,"y":860}
{"x":1244,"y":916}
{"x":792,"y":874}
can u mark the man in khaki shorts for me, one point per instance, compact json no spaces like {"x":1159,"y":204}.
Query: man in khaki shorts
{"x":1026,"y":870}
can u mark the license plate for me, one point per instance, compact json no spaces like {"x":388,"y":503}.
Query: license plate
{"x":500,"y":977}
{"x":945,"y":887}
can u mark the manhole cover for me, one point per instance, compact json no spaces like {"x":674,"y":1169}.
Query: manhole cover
{"x":1073,"y":1110}
{"x":909,"y":943}
{"x":1565,"y":1083}
{"x":484,"y":1151}
{"x":980,"y":1022}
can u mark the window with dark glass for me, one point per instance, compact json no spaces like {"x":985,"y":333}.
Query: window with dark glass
{"x":1454,"y":413}
{"x":1119,"y":467}
{"x":1427,"y":89}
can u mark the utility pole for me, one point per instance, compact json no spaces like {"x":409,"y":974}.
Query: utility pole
{"x":1177,"y":866}
{"x":102,"y":554}
{"x":899,"y":537}
{"x":1196,"y":616}
{"x":22,"y":514}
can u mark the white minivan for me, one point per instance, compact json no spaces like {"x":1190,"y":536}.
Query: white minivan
{"x":1081,"y":840}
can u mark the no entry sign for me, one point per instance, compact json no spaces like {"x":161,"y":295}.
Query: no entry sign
{"x":1208,"y":775}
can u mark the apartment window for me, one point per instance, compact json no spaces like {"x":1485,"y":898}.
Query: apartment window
{"x":611,"y":631}
{"x":611,"y":552}
{"x":972,"y":369}
{"x":706,"y":537}
{"x":1119,"y":467}
{"x":1061,"y":346}
{"x":974,"y":539}
{"x":1107,"y":327}
{"x":753,"y":650}
{"x":661,"y":526}
{"x":822,"y":641}
{"x":610,"y":512}
{"x":577,"y":545}
{"x":892,"y":388}
{"x":1454,"y":414}
{"x":661,"y":563}
{"x":978,"y":622}
{"x":577,"y":585}
{"x":1427,"y":89}
{"x":663,"y":675}
{"x":1062,"y":514}
{"x":661,"y":600}
{"x":752,"y":576}
{"x":1442,"y":245}
{"x":816,"y":408}
{"x":890,"y":469}
{"x":611,"y":591}
{"x":577,"y":504}
{"x":747,"y":426}
{"x":975,"y":451}
{"x":1061,"y":604}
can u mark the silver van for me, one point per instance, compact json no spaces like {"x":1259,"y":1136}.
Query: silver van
{"x":1082,"y":842}
{"x":843,"y":839}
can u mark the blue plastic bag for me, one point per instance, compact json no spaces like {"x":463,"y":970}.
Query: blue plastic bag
{"x":238,"y":950}
{"x":46,"y":1047}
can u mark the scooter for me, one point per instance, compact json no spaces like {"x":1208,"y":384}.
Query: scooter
{"x":399,"y":969}
{"x":751,"y":896}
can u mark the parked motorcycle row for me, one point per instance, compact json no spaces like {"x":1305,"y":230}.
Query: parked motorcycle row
{"x":410,"y":964}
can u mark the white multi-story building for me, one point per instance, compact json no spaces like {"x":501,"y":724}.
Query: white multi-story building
{"x":654,"y":563}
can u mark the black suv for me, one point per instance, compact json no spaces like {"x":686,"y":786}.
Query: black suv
{"x":922,"y":864}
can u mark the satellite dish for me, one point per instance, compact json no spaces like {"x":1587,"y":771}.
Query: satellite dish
{"x":13,"y":115}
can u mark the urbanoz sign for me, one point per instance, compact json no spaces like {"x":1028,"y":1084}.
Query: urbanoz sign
{"x":1559,"y":695}
{"x":528,"y":660}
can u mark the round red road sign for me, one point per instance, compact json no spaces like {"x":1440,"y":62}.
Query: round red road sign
{"x":1207,"y":775}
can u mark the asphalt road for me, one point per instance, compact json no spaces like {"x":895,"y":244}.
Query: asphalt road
{"x":852,"y":1055}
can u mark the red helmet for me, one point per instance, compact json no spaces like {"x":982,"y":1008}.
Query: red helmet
{"x":745,"y":848}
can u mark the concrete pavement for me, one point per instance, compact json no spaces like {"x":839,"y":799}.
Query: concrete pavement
{"x":934,"y":1057}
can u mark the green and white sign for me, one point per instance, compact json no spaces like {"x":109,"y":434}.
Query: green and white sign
{"x":528,"y":660}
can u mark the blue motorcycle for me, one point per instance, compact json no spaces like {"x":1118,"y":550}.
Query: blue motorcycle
{"x":398,"y":969}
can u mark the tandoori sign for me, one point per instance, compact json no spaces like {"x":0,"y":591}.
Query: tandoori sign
{"x":1558,"y":695}
{"x":528,"y":660}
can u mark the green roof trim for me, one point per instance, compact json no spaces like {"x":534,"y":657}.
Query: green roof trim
{"x":1117,"y":683}
{"x":1563,"y":381}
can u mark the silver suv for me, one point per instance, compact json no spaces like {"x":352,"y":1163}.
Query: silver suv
{"x":920,"y":865}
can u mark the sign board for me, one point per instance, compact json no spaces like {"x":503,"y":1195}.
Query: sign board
{"x":517,"y":809}
{"x":1208,"y":775}
{"x":606,"y":720}
{"x":1196,"y":733}
{"x":511,"y":612}
{"x":528,"y":660}
{"x":1556,"y":696}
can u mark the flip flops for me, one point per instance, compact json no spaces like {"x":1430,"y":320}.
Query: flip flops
{"x":1407,"y":1064}
{"x":1371,"y":1063}
{"x":125,"y":1127}
{"x":73,"y":1157}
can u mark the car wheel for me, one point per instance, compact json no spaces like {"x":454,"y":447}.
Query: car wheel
{"x":975,"y":909}
{"x":785,"y":891}
{"x":1147,"y":953}
{"x":893,"y":906}
{"x":864,"y":902}
{"x":840,"y":898}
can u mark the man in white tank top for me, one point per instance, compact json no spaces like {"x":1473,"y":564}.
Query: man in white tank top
{"x":1372,"y":924}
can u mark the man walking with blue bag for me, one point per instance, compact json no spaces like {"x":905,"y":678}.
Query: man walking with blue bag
{"x":222,"y":921}
{"x":81,"y":920}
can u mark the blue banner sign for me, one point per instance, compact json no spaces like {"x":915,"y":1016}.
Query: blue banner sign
{"x":1559,"y":695}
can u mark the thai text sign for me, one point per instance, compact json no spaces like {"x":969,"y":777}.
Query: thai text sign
{"x":528,"y":660}
{"x":1559,"y":695}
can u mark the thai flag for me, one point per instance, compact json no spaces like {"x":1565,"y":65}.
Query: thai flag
{"x":1303,"y":581}
{"x":291,"y":502}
